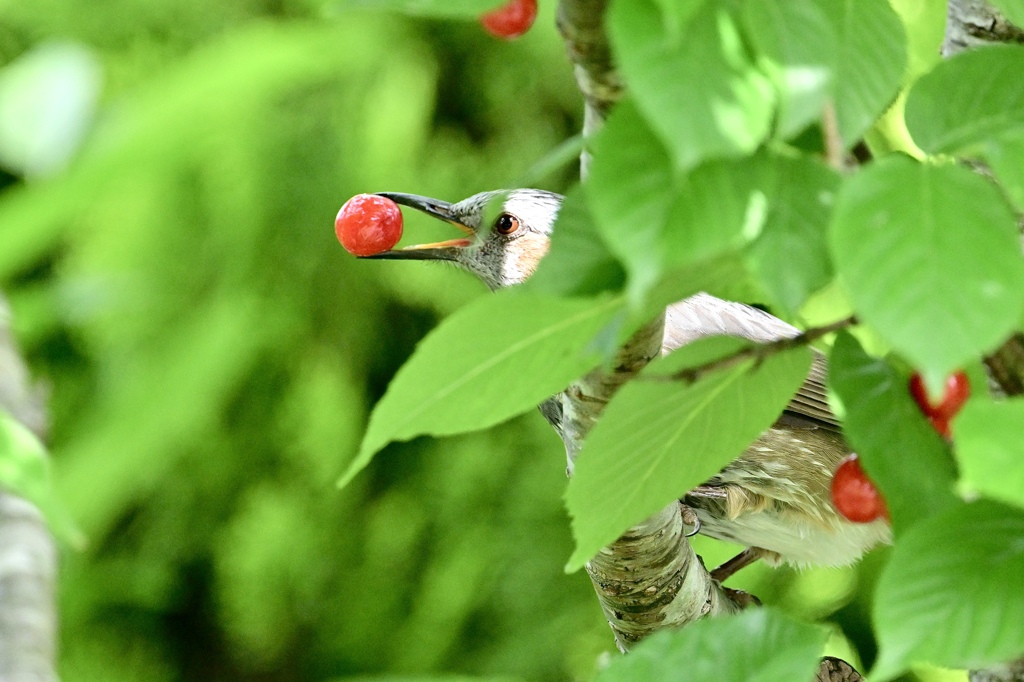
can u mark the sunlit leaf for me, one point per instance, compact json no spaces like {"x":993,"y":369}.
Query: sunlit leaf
{"x":656,"y":220}
{"x":629,"y":191}
{"x":953,"y":591}
{"x":799,"y":43}
{"x":872,"y":57}
{"x":494,"y":359}
{"x":791,"y":255}
{"x":1013,"y":9}
{"x":658,"y":438}
{"x":47,"y":98}
{"x":966,"y":100}
{"x":990,"y":448}
{"x":688,"y":69}
{"x":931,"y":259}
{"x":1004,"y":155}
{"x":758,"y":645}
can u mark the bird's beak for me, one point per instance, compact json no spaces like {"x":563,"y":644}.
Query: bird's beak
{"x":446,"y":250}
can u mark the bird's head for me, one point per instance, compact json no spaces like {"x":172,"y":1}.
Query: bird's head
{"x":504,"y":251}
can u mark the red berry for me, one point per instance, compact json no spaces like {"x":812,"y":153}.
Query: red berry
{"x":368,"y":224}
{"x":510,"y":20}
{"x":940,"y":424}
{"x":854,"y":495}
{"x":957,"y":391}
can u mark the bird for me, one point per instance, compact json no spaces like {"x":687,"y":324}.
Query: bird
{"x":774,"y":499}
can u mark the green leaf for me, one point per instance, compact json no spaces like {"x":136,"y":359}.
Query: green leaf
{"x":688,"y":70}
{"x":47,"y":100}
{"x":898,"y":447}
{"x":968,"y":100}
{"x":724,"y":276}
{"x":953,"y":591}
{"x":872,"y":57}
{"x":1004,"y":155}
{"x":659,"y":438}
{"x":1012,"y":9}
{"x":444,"y":9}
{"x":791,"y":256}
{"x":798,"y":45}
{"x":578,"y":263}
{"x":655,"y":220}
{"x":757,"y":645}
{"x":492,"y":360}
{"x":990,"y":448}
{"x":629,"y":191}
{"x":718,"y":207}
{"x":25,"y":471}
{"x":931,"y":260}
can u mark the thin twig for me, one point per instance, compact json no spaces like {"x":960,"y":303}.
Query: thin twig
{"x":757,"y":352}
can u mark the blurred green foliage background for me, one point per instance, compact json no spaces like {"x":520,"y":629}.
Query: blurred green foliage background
{"x":212,"y":353}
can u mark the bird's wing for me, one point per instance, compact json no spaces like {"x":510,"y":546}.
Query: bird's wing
{"x":811,"y":400}
{"x":704,"y":315}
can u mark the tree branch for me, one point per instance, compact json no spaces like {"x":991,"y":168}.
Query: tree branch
{"x":581,"y":23}
{"x":758,"y":352}
{"x":28,"y":558}
{"x":970,"y":23}
{"x":650,"y":578}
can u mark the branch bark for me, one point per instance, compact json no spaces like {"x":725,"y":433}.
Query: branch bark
{"x":650,"y":578}
{"x":28,"y":558}
{"x":970,"y":23}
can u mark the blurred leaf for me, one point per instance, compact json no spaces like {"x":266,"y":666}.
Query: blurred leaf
{"x":461,"y":9}
{"x":1004,"y":155}
{"x":424,"y":678}
{"x":757,"y":645}
{"x":799,"y":43}
{"x":965,"y":100}
{"x":170,"y":395}
{"x":990,"y":448}
{"x":791,"y":255}
{"x":725,"y":276}
{"x":963,"y":569}
{"x":717,"y":207}
{"x":578,"y":263}
{"x":897,"y":446}
{"x":925,"y":26}
{"x":25,"y":471}
{"x":494,"y":359}
{"x":565,"y":153}
{"x":656,"y":221}
{"x":47,"y":99}
{"x":1012,"y":9}
{"x":629,"y":191}
{"x":659,"y":438}
{"x":931,"y":259}
{"x":688,"y":70}
{"x":872,"y":57}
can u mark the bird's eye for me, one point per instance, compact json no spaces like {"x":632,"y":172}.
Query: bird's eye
{"x":506,"y":223}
